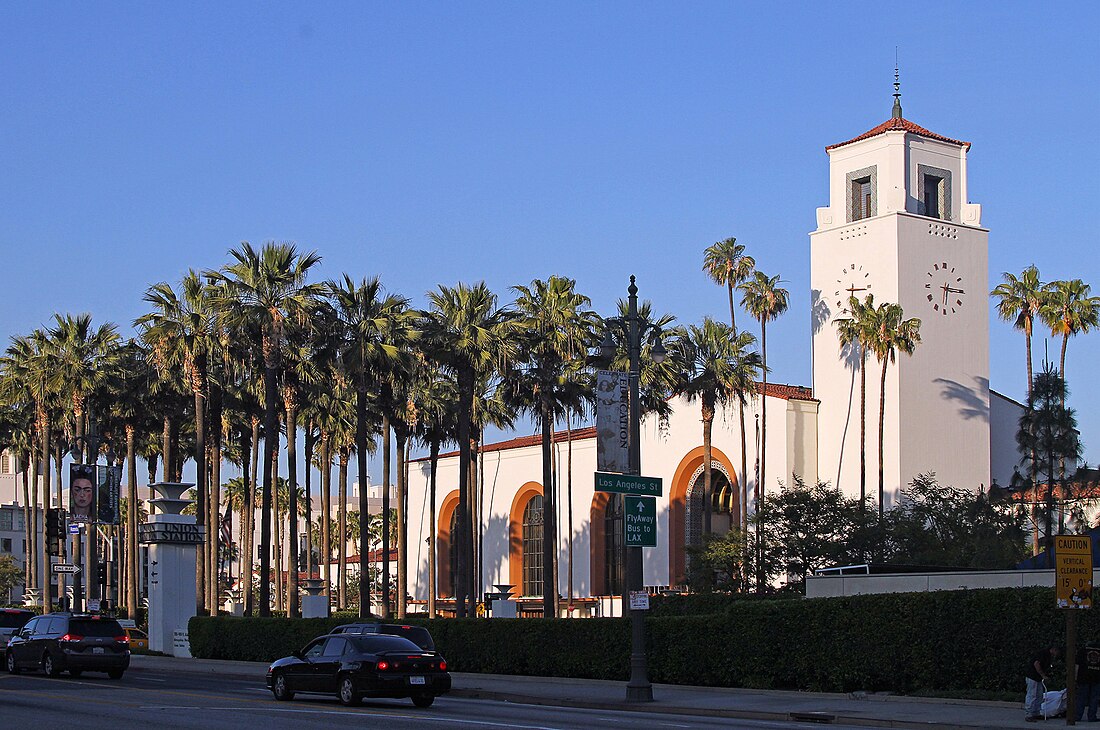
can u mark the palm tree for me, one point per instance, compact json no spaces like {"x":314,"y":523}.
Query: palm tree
{"x":889,"y":333}
{"x":1069,"y":309}
{"x":765,"y":300}
{"x":726,"y":263}
{"x":435,"y":398}
{"x":261,"y":291}
{"x":183,"y":332}
{"x":240,"y":499}
{"x":855,"y":332}
{"x":131,"y":381}
{"x":719,"y":366}
{"x":301,"y":358}
{"x":554,"y":331}
{"x":1021,"y":301}
{"x":370,"y":328}
{"x":29,"y":367}
{"x":468,"y":332}
{"x":83,"y":356}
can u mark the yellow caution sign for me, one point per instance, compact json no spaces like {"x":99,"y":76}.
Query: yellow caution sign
{"x":1073,"y":571}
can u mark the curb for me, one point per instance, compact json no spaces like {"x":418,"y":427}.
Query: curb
{"x":256,"y":671}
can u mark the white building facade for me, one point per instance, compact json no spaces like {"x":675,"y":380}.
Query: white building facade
{"x":899,"y":225}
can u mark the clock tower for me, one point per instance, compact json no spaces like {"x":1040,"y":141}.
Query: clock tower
{"x":899,"y":226}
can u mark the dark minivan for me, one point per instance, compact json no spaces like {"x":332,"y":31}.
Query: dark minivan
{"x":72,"y":642}
{"x":11,"y":620}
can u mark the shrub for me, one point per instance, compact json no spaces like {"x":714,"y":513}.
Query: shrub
{"x":903,"y":642}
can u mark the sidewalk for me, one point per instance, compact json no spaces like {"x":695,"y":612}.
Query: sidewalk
{"x":855,"y":709}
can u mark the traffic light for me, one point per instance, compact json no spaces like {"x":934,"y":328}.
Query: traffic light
{"x":55,"y":531}
{"x":101,"y":573}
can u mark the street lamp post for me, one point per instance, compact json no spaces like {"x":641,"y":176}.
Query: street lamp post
{"x":638,"y":689}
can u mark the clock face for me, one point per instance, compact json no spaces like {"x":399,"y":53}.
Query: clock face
{"x":944,"y":289}
{"x":853,"y":281}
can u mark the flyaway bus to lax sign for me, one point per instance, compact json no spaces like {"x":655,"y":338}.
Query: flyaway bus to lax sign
{"x":1073,"y":571}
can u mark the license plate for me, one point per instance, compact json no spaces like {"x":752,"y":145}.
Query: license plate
{"x":97,"y":650}
{"x":416,"y":680}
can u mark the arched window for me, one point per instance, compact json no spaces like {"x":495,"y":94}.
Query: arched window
{"x":723,"y":502}
{"x":452,"y":557}
{"x":613,"y":546}
{"x":532,"y":547}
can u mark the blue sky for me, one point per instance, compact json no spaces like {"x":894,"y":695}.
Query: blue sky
{"x":431,"y":143}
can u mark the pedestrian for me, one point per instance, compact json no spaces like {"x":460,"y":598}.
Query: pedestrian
{"x":1088,"y":680}
{"x":1038,"y":671}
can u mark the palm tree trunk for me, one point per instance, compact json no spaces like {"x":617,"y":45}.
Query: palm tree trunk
{"x":549,"y":533}
{"x":708,"y":421}
{"x":1033,"y":469}
{"x":310,"y":444}
{"x":166,"y":448}
{"x":215,"y":519}
{"x":200,"y":492}
{"x":863,"y":429}
{"x":463,"y":535}
{"x":385,"y":578}
{"x":432,"y":587}
{"x":29,"y":474}
{"x":326,"y":513}
{"x":569,"y":500}
{"x":47,"y":583}
{"x":248,"y":524}
{"x":28,"y":526}
{"x":364,"y":507}
{"x":271,"y":442}
{"x":881,"y":440}
{"x":402,"y":535}
{"x":342,"y":533}
{"x":292,"y":609}
{"x":132,"y":573}
{"x":760,"y":481}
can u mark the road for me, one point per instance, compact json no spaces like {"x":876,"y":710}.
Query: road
{"x":162,"y":700}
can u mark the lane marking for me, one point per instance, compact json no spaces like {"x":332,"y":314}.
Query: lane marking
{"x":345,"y":713}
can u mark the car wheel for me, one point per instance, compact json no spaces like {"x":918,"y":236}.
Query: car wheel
{"x":12,"y":668}
{"x":423,"y":700}
{"x":115,"y":673}
{"x":76,"y":672}
{"x":49,"y":666}
{"x":280,"y":689}
{"x":348,"y":695}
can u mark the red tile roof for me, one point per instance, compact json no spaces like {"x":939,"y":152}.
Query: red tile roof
{"x":374,"y":556}
{"x":775,"y":390}
{"x":899,"y":125}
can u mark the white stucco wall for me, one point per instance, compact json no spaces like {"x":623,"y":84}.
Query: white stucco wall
{"x":663,"y":450}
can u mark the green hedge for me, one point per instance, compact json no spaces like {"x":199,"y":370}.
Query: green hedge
{"x":905,"y":642}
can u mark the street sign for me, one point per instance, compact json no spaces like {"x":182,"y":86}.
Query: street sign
{"x":639,"y":601}
{"x":640,"y":520}
{"x":1073,"y":571}
{"x":74,"y":528}
{"x":65,"y":568}
{"x":628,"y":484}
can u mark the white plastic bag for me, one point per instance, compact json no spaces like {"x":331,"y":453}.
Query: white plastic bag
{"x":1054,"y":704}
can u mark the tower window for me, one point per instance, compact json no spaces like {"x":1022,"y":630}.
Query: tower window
{"x":933,"y":195}
{"x":862,"y":194}
{"x":934,"y":192}
{"x":861,"y":198}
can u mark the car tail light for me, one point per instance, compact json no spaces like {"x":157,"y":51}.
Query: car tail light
{"x":71,"y":637}
{"x":383,"y":665}
{"x":442,"y":666}
{"x":123,"y":639}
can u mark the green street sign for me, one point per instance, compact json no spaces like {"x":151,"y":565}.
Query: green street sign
{"x":640,"y":515}
{"x":628,"y":484}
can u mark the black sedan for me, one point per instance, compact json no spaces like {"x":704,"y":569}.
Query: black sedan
{"x":357,"y":666}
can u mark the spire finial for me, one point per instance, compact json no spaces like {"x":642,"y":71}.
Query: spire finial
{"x":896,"y":112}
